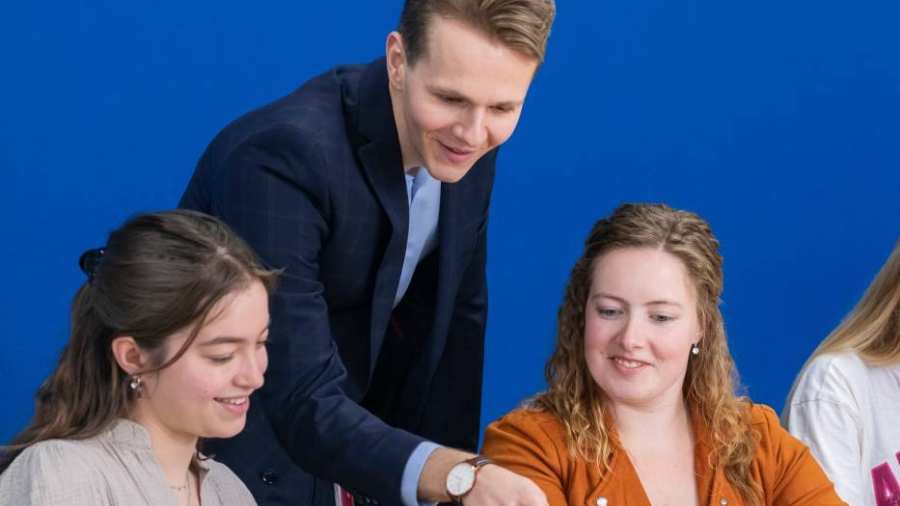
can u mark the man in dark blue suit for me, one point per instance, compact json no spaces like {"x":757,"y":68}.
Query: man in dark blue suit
{"x":370,"y":187}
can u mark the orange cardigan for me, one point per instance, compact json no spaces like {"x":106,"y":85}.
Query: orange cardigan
{"x":533,"y":443}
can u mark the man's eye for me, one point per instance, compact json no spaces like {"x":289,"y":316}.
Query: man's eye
{"x":450,"y":100}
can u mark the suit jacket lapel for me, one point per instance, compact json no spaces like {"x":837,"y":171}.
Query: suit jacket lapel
{"x":448,"y":269}
{"x":379,"y":153}
{"x":416,"y":389}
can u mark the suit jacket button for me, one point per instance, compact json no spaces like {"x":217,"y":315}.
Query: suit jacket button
{"x":268,"y":477}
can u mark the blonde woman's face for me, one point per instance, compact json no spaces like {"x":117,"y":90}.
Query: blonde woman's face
{"x":640,"y":324}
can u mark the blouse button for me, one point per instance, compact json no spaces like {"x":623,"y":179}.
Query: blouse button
{"x":723,"y":501}
{"x":602,"y":501}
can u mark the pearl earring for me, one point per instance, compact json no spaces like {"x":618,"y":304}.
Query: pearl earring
{"x":136,"y":384}
{"x":695,"y":350}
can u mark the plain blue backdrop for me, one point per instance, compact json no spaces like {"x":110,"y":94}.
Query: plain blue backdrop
{"x":777,"y":121}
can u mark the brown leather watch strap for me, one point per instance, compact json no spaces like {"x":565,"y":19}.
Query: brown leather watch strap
{"x":477,"y":462}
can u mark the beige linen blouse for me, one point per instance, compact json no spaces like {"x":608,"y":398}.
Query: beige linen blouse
{"x":116,"y":467}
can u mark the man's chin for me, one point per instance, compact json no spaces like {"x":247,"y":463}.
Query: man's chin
{"x":449,"y":173}
{"x":448,"y":176}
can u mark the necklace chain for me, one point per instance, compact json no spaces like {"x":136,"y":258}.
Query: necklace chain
{"x":185,"y":486}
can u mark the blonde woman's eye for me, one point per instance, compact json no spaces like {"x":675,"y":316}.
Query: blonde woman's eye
{"x":661,"y":318}
{"x":221,"y":360}
{"x":608,"y":313}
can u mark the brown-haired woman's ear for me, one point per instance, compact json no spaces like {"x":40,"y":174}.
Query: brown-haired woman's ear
{"x":129,"y":355}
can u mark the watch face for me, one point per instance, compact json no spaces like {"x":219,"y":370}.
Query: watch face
{"x":460,"y":479}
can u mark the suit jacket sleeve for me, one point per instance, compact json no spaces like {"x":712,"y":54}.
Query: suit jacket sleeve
{"x":273,"y":193}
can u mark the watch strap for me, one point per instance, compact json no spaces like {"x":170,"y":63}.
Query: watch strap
{"x":477,"y":462}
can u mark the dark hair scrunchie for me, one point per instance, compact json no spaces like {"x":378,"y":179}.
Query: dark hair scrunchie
{"x":90,"y":260}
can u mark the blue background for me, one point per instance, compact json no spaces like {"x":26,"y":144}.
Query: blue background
{"x":777,"y":121}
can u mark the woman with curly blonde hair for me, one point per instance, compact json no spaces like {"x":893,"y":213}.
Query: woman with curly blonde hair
{"x":641,"y":407}
{"x":845,"y":403}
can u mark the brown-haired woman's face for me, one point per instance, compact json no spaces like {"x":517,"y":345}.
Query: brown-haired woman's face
{"x":640,"y":324}
{"x":206,"y":392}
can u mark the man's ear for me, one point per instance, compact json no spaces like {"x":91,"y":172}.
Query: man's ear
{"x":130,"y":357}
{"x":395,"y":54}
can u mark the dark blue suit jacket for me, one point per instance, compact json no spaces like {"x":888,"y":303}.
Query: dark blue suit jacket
{"x":314,"y":182}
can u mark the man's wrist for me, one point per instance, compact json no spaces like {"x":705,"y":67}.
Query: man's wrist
{"x":433,"y":481}
{"x":463,"y":476}
{"x":412,"y":474}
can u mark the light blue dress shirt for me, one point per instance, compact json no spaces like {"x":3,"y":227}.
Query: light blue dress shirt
{"x":424,"y":199}
{"x":424,"y":194}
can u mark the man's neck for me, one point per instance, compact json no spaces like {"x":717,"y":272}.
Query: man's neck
{"x":406,"y":149}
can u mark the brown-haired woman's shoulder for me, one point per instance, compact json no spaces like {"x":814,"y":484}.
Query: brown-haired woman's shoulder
{"x":52,"y":472}
{"x":226,"y":485}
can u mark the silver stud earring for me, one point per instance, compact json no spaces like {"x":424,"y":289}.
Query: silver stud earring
{"x":136,"y":384}
{"x":695,"y":350}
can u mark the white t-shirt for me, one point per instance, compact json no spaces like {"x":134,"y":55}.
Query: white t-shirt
{"x":848,"y":413}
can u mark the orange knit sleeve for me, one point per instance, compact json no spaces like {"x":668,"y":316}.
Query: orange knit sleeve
{"x":789,"y":473}
{"x":519,"y":443}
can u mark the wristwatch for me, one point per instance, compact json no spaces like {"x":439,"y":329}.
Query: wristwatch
{"x":461,"y":477}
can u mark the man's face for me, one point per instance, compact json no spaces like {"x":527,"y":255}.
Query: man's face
{"x":459,"y":100}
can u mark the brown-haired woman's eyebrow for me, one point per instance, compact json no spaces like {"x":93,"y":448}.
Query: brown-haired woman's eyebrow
{"x":230,"y":339}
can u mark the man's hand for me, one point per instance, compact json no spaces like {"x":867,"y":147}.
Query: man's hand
{"x":494,"y":486}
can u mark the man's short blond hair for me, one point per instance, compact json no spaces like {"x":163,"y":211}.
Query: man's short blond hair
{"x":522,"y":25}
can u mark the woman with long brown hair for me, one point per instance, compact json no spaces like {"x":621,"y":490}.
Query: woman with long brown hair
{"x":166,"y":346}
{"x":845,"y":403}
{"x":641,"y":406}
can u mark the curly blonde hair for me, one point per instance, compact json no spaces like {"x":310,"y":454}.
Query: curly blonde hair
{"x":711,"y":379}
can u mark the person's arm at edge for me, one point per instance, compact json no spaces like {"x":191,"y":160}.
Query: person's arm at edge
{"x":815,"y":415}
